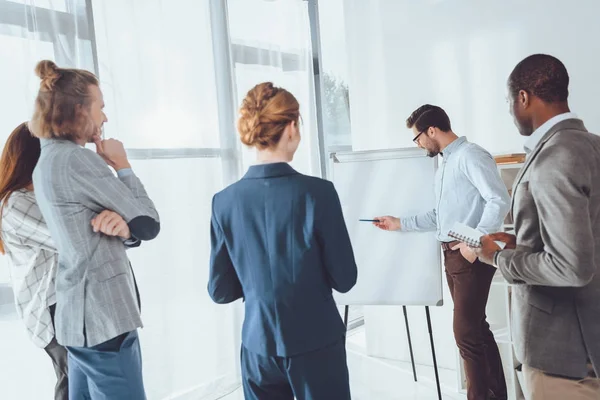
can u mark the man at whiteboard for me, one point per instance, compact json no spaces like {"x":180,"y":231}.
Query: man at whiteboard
{"x":553,"y":260}
{"x":469,"y":190}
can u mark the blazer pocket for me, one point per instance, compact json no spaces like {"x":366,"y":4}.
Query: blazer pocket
{"x":107,"y":271}
{"x":540,"y":301}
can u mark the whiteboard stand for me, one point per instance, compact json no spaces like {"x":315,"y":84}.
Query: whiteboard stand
{"x":412,"y":357}
{"x":435,"y":368}
{"x":369,"y":183}
{"x":346,"y":316}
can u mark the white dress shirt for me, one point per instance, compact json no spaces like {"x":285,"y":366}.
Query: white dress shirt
{"x":537,"y":135}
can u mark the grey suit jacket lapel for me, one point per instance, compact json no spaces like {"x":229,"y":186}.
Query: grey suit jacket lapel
{"x":575,"y":124}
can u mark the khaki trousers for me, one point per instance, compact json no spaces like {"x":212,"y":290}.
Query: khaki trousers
{"x":540,"y":386}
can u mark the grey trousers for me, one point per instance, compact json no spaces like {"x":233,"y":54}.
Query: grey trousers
{"x":59,"y":357}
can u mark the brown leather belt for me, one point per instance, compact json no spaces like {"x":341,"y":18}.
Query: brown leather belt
{"x":447,"y":246}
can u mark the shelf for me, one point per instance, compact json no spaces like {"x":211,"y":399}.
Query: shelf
{"x":515,"y":166}
{"x":510,"y":159}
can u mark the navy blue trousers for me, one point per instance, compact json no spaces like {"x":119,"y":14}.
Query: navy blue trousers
{"x":318,"y":375}
{"x":109,"y":371}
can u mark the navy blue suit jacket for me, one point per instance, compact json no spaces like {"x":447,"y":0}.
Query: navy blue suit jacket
{"x":279,"y":241}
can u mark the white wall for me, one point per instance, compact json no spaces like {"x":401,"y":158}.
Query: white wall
{"x":458,"y":55}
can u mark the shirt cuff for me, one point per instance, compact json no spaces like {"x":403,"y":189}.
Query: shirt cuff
{"x":406,"y":224}
{"x":124,"y":172}
{"x":131,"y":242}
{"x":495,"y":258}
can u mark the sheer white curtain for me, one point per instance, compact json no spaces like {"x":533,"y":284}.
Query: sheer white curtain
{"x":270,"y":41}
{"x":171,"y":94}
{"x":31,"y":31}
{"x":157,"y":71}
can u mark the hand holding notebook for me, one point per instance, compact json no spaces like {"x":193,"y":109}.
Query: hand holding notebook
{"x":466,"y":234}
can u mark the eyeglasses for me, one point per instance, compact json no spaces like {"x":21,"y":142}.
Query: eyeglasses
{"x":416,"y":138}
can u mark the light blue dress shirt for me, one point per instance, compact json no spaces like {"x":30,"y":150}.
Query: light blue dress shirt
{"x":124,"y":172}
{"x":468,"y":189}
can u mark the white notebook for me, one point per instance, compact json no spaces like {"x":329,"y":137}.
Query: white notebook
{"x":468,"y":235}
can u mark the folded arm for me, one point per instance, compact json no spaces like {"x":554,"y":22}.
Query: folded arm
{"x":100,"y":189}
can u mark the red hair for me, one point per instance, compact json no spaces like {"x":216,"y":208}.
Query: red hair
{"x":265,"y":113}
{"x":19,"y":158}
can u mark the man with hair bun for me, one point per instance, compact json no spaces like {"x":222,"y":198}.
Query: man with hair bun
{"x":97,"y":307}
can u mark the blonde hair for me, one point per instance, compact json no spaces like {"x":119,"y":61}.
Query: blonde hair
{"x":59,"y":107}
{"x":264,"y":114}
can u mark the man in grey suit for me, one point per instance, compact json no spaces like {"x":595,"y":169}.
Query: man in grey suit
{"x":553,"y":259}
{"x":98,"y":310}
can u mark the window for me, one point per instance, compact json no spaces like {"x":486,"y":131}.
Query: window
{"x":157,"y":73}
{"x":28,"y":34}
{"x":161,"y":74}
{"x":55,"y":5}
{"x":173,"y":74}
{"x":270,"y":41}
{"x":334,"y":64}
{"x":334,"y":95}
{"x":31,"y":31}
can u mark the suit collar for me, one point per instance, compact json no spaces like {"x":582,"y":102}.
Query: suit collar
{"x":571,"y":124}
{"x":540,"y":132}
{"x":272,"y":170}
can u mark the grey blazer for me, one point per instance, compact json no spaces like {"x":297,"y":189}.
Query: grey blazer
{"x":556,"y":297}
{"x":95,"y":288}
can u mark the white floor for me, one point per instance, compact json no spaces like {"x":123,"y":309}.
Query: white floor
{"x":380,"y":379}
{"x":370,"y":378}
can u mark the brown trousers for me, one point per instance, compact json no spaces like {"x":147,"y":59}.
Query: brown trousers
{"x":469,"y":287}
